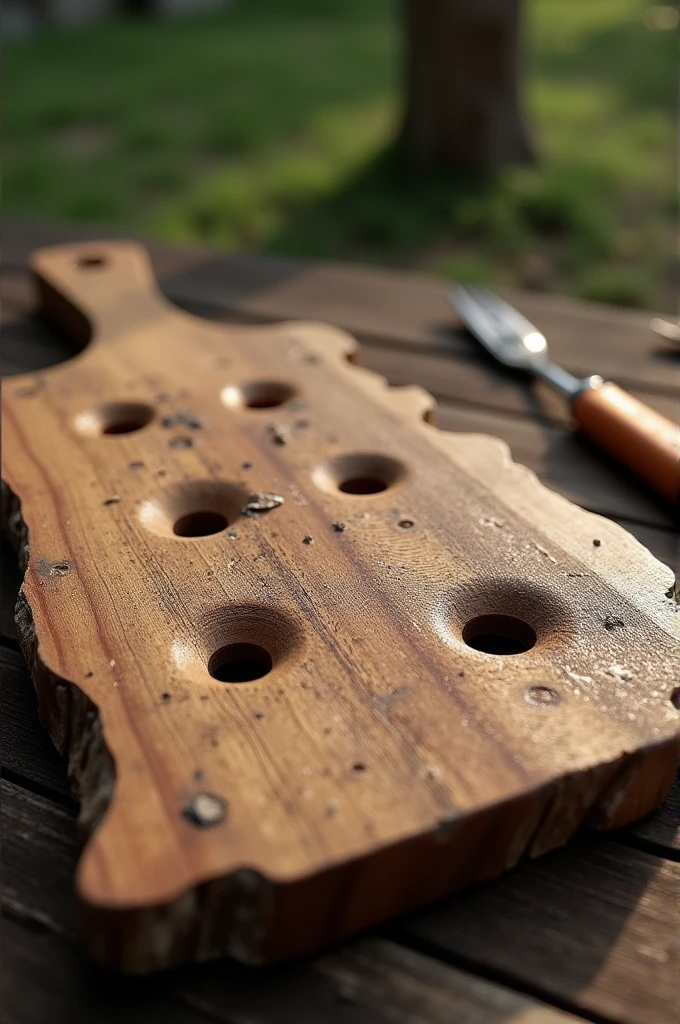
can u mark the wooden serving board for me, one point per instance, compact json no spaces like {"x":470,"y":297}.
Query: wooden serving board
{"x":312,"y":660}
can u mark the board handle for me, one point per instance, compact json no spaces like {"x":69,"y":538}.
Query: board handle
{"x":639,"y":437}
{"x":98,"y":290}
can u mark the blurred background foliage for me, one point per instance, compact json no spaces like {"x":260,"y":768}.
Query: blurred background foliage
{"x":270,"y":125}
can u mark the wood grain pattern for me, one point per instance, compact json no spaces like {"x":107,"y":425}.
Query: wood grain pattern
{"x":366,"y":770}
{"x":28,"y":756}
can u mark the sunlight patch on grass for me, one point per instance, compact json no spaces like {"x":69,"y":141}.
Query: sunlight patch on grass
{"x":246,"y":202}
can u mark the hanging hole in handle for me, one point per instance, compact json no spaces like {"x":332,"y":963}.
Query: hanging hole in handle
{"x":91,"y":261}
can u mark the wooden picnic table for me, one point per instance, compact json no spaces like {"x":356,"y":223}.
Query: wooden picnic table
{"x":585,"y":933}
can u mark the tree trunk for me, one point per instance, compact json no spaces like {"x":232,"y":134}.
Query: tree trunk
{"x":462,"y":65}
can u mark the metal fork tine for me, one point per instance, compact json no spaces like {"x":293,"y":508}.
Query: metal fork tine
{"x":510,"y":316}
{"x":484,"y":300}
{"x":499,"y":327}
{"x":473,"y":313}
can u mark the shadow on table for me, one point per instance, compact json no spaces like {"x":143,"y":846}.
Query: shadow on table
{"x":554,"y":927}
{"x":591,"y":477}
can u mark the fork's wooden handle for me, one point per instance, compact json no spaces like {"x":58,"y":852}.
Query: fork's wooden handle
{"x":635,"y":434}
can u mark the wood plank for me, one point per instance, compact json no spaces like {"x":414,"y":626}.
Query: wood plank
{"x":482,"y":382}
{"x":662,"y":829}
{"x":27,"y":750}
{"x":595,"y":924}
{"x":375,"y":982}
{"x":403,"y":308}
{"x":655,"y":532}
{"x":591,"y":927}
{"x":39,"y":855}
{"x":45,"y":978}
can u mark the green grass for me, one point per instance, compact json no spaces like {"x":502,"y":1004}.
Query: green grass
{"x":270,"y":126}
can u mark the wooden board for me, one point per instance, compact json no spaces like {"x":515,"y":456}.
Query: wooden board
{"x":366,"y":771}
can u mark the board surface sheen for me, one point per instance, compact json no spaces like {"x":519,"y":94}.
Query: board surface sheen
{"x":312,"y":660}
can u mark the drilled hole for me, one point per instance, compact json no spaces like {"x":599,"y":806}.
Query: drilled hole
{"x":362,"y":485}
{"x":200,"y":524}
{"x":199,"y":508}
{"x":241,"y":643}
{"x":359,"y":474}
{"x":124,"y":427}
{"x":258,"y":395}
{"x":114,"y":418}
{"x":265,"y":401}
{"x":499,"y":634}
{"x":240,"y":663}
{"x":675,"y":698}
{"x":92,"y":262}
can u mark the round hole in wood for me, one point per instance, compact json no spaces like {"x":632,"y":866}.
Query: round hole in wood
{"x":259,"y":394}
{"x":675,"y":698}
{"x":359,"y":474}
{"x":114,"y":418}
{"x":199,"y":508}
{"x":242,"y":643}
{"x":240,"y":663}
{"x":199,"y":524}
{"x":476,"y":608}
{"x":499,"y":634}
{"x":362,"y":485}
{"x":91,"y":261}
